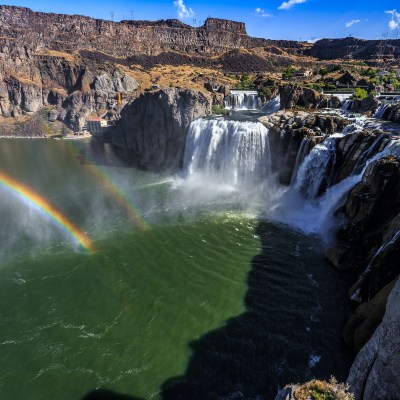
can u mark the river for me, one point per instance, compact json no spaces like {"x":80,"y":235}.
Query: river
{"x":159,"y":288}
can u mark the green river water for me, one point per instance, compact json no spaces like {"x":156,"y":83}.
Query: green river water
{"x":208,"y":302}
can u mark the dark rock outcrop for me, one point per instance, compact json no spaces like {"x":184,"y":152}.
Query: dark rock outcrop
{"x":368,"y":104}
{"x":296,"y":96}
{"x":375,"y":372}
{"x":369,"y":242}
{"x":363,"y":323}
{"x":293,"y":134}
{"x":353,"y":48}
{"x":369,"y":209}
{"x":154,"y":126}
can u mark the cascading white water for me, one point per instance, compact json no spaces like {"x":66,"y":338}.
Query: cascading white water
{"x":243,"y":100}
{"x":301,"y":155}
{"x":347,"y":105}
{"x":272,"y":106}
{"x":299,"y":207}
{"x":313,"y":170}
{"x":235,"y":152}
{"x":381,"y":110}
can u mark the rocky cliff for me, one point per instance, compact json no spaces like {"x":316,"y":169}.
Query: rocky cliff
{"x":68,"y":33}
{"x":353,"y":48}
{"x":375,"y":372}
{"x":153,"y":127}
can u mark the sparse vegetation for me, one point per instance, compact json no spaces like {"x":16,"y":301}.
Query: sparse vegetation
{"x":288,"y":72}
{"x":244,"y":81}
{"x":320,"y":390}
{"x":215,"y":109}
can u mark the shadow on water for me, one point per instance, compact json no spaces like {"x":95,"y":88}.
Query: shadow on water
{"x":295,"y":306}
{"x":107,"y":395}
{"x":290,"y":332}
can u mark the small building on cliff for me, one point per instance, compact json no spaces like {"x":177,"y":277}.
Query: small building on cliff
{"x":96,"y":126}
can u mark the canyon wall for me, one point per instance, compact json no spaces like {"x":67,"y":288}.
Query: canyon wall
{"x":68,"y":33}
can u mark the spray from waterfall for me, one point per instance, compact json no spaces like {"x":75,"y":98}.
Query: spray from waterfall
{"x":44,"y":207}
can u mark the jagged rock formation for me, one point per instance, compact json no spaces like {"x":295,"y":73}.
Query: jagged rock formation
{"x":68,"y":33}
{"x":293,"y":134}
{"x":369,"y":242}
{"x":154,"y":126}
{"x":72,"y":88}
{"x":296,"y":96}
{"x":375,"y":372}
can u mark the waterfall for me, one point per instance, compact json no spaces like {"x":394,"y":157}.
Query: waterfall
{"x":234,"y":152}
{"x":301,"y":155}
{"x":301,"y":207}
{"x":381,"y":110}
{"x":272,"y":106}
{"x":243,"y":100}
{"x":347,"y":105}
{"x":314,"y":169}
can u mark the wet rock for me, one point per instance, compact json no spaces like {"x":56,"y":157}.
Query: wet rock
{"x":334,"y":102}
{"x":370,"y":103}
{"x":153,"y":127}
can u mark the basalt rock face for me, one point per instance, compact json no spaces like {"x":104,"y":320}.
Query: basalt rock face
{"x":293,"y":134}
{"x":154,"y":126}
{"x":375,"y":372}
{"x":71,"y":89}
{"x":368,"y":104}
{"x":73,"y":32}
{"x":369,"y":242}
{"x":370,"y":208}
{"x":330,"y":49}
{"x":296,"y":96}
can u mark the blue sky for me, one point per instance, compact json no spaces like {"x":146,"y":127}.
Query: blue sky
{"x":275,"y":19}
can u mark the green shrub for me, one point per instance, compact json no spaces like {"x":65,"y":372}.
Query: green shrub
{"x":360,"y":94}
{"x":216,"y":109}
{"x":329,"y":86}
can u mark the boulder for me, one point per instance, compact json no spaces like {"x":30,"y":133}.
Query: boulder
{"x":292,"y":96}
{"x":334,"y":102}
{"x":370,"y":103}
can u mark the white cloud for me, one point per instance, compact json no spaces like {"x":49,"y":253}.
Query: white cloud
{"x":352,"y":22}
{"x":394,"y":23}
{"x":286,"y":5}
{"x":183,"y":11}
{"x":313,"y":40}
{"x":262,"y":13}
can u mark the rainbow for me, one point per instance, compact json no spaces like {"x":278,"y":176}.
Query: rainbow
{"x":112,"y":188}
{"x":118,"y":195}
{"x":43,"y":205}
